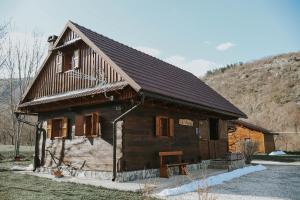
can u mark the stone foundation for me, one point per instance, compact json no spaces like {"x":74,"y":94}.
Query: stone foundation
{"x":236,"y":164}
{"x":138,"y":174}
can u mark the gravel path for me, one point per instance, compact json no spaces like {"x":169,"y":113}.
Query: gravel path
{"x":276,"y":182}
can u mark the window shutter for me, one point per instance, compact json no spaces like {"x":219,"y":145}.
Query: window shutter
{"x":79,"y":122}
{"x":59,"y":59}
{"x":95,"y":124}
{"x":171,"y":127}
{"x":65,"y":127}
{"x":49,"y":128}
{"x":157,"y":126}
{"x":76,"y":58}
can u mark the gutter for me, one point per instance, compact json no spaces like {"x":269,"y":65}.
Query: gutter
{"x":115,"y":136}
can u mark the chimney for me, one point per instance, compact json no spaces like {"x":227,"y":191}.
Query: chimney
{"x":51,"y":41}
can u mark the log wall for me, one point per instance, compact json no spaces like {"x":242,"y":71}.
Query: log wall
{"x":141,"y":146}
{"x":242,"y":133}
{"x":96,"y":152}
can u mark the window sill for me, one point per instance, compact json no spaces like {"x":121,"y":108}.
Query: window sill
{"x":92,"y":136}
{"x":84,"y":136}
{"x":59,"y":138}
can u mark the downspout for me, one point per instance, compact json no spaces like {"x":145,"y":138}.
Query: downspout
{"x":115,"y":137}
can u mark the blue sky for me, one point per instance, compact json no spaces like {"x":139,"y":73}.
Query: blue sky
{"x":194,"y":35}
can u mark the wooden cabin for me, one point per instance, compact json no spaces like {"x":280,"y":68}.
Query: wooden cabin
{"x":239,"y":130}
{"x":109,"y":107}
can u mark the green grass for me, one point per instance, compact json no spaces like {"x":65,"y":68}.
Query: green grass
{"x":19,"y":186}
{"x":7,"y":152}
{"x":16,"y":186}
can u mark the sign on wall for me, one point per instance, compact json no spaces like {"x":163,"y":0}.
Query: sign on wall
{"x":186,"y":122}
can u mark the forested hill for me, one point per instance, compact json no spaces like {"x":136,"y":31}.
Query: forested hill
{"x":267,"y":90}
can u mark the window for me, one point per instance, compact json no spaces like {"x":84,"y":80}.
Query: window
{"x":57,"y":128}
{"x":67,"y":60}
{"x":164,"y":126}
{"x":214,"y":129}
{"x":87,"y":125}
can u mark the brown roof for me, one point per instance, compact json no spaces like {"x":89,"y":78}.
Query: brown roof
{"x":76,"y":94}
{"x":251,"y":126}
{"x":158,"y":77}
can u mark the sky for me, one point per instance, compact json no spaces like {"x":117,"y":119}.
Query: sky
{"x":195,"y":35}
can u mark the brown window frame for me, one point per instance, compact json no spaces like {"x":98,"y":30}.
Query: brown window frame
{"x":63,"y":129}
{"x":81,"y":125}
{"x":68,"y":60}
{"x":170,"y":127}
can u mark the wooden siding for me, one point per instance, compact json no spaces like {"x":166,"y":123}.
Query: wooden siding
{"x":49,"y":82}
{"x":137,"y":144}
{"x":241,"y":134}
{"x":141,"y":145}
{"x":269,"y":143}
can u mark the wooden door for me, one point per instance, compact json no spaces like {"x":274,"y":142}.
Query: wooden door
{"x":203,"y":134}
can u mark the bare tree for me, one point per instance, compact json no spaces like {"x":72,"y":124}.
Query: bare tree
{"x":3,"y":33}
{"x":248,"y":148}
{"x":22,"y":59}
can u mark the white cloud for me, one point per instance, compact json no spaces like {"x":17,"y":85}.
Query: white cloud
{"x":148,"y":50}
{"x":225,"y":46}
{"x":196,"y":66}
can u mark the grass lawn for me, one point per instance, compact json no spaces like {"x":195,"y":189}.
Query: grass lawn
{"x":15,"y":186}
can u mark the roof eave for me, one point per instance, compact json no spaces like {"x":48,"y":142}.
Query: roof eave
{"x":70,"y":25}
{"x":178,"y":101}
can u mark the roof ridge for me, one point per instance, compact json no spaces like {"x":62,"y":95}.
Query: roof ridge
{"x":155,"y":58}
{"x":135,"y":62}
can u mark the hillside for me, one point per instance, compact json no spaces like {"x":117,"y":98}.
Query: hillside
{"x":267,"y":90}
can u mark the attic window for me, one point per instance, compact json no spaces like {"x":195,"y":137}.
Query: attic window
{"x":67,"y":60}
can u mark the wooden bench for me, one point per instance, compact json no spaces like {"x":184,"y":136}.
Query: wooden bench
{"x":164,"y":172}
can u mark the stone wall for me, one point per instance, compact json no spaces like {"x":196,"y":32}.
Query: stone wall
{"x":122,"y":176}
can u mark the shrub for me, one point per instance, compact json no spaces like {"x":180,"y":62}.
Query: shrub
{"x":248,"y":148}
